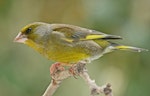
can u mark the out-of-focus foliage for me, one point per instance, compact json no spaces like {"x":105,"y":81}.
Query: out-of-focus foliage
{"x":23,"y":72}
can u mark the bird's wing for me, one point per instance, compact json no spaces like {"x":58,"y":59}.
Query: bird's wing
{"x":74,"y":33}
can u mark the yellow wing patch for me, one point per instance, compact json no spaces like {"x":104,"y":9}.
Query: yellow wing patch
{"x":102,"y":36}
{"x":90,"y":37}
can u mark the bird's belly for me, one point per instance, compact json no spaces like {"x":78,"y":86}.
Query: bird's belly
{"x":84,"y":50}
{"x":66,"y":56}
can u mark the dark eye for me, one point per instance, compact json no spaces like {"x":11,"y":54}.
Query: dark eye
{"x":28,"y":30}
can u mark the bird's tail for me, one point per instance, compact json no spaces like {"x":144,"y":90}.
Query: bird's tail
{"x":128,"y":48}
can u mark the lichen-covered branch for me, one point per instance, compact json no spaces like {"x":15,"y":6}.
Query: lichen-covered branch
{"x":52,"y":88}
{"x":57,"y":78}
{"x":58,"y":74}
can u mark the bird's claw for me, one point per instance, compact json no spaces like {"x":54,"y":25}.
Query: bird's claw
{"x":55,"y":68}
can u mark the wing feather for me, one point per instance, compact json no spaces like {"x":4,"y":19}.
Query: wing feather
{"x":74,"y":33}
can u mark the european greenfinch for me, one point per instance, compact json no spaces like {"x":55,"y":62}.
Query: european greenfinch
{"x":69,"y":44}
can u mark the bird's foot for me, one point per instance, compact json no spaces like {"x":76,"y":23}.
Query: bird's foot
{"x":56,"y":68}
{"x":76,"y":69}
{"x":73,"y":72}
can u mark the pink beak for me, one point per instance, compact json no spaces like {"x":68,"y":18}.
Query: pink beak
{"x":21,"y":38}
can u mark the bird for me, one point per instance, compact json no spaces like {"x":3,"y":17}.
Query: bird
{"x":69,"y":44}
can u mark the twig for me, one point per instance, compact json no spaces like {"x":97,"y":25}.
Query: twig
{"x":77,"y":70}
{"x":57,"y":78}
{"x":95,"y":89}
{"x":52,"y":88}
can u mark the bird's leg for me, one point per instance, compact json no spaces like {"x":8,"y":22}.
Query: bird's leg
{"x":76,"y":68}
{"x":56,"y":68}
{"x":72,"y":70}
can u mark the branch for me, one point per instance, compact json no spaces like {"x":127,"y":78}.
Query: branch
{"x":58,"y":74}
{"x":57,"y":78}
{"x":51,"y":88}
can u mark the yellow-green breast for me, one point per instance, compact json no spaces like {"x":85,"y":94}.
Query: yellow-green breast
{"x":68,"y":53}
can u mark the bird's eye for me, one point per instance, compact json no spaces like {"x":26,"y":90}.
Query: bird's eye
{"x":28,"y":30}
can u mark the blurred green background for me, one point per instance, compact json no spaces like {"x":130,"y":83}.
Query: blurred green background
{"x":23,"y":72}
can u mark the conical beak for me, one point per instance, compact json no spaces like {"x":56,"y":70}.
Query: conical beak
{"x":21,"y":38}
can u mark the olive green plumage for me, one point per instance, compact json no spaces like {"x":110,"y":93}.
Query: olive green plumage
{"x":68,"y":43}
